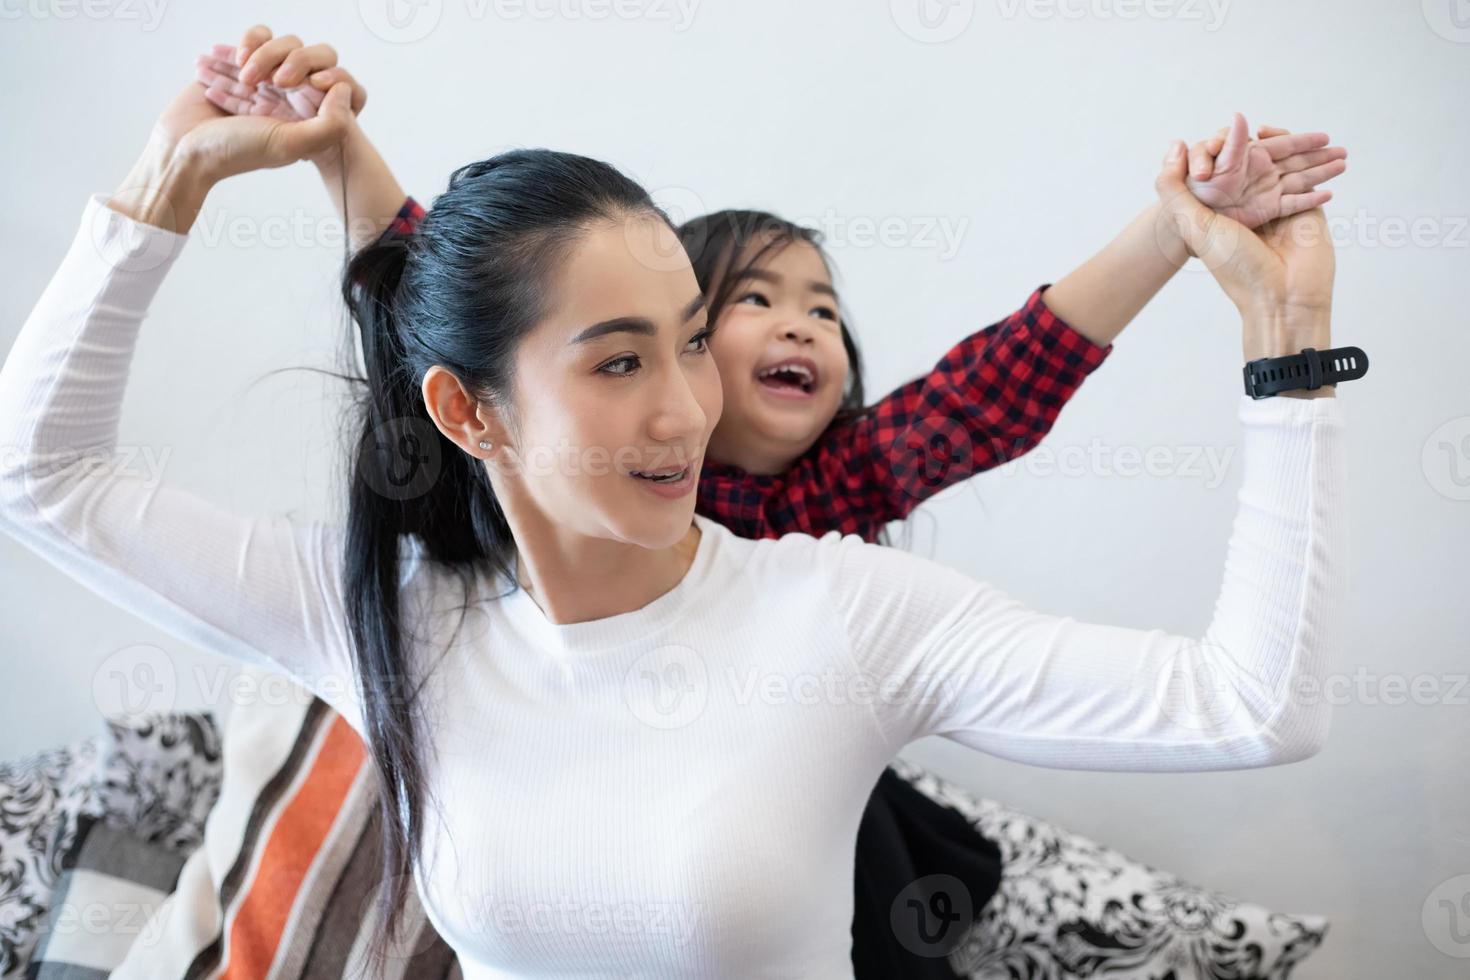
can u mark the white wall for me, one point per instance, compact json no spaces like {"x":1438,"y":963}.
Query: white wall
{"x":1035,"y":131}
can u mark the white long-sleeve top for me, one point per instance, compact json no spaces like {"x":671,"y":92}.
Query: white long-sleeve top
{"x":675,"y":791}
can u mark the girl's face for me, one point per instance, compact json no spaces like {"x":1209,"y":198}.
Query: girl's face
{"x":615,"y":383}
{"x":778,"y":344}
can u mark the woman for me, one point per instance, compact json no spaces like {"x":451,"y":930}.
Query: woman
{"x":728,"y":702}
{"x":802,"y":450}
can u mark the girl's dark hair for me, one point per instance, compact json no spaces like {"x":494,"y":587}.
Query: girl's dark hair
{"x":719,"y":247}
{"x":461,"y":291}
{"x":724,"y":245}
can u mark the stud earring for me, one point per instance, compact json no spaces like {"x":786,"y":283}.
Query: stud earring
{"x":484,"y":445}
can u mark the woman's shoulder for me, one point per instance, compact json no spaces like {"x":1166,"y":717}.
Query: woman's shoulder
{"x":792,"y":548}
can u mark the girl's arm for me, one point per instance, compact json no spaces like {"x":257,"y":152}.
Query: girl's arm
{"x":994,"y":396}
{"x":364,"y":191}
{"x":991,"y":398}
{"x":265,"y":589}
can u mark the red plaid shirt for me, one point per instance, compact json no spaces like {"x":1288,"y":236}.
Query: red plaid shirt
{"x":990,"y":399}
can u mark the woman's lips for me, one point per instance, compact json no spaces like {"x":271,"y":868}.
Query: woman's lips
{"x":671,"y":489}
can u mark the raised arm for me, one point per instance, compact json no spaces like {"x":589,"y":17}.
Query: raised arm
{"x":265,"y":589}
{"x":971,"y":663}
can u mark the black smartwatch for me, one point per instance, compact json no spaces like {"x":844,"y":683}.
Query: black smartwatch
{"x":1267,"y":376}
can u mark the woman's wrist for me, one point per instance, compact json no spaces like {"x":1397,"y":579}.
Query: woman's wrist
{"x":1285,"y":330}
{"x":166,"y":188}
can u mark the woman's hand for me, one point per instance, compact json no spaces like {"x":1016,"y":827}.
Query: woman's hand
{"x":277,"y":77}
{"x":1280,"y":277}
{"x":223,"y":145}
{"x":195,"y":144}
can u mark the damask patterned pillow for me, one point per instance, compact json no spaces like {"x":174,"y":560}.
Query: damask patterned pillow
{"x":1068,"y":907}
{"x":156,"y":776}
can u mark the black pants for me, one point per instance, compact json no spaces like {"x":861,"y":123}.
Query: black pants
{"x":904,"y":921}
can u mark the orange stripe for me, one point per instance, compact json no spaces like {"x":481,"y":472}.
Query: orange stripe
{"x":295,"y":840}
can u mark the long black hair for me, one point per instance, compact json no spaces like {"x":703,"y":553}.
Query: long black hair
{"x":724,"y":245}
{"x":461,"y":291}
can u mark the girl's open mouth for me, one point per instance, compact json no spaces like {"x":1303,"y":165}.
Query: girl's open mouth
{"x":794,"y":377}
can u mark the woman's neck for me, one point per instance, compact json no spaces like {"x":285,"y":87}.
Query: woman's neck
{"x":575,"y":578}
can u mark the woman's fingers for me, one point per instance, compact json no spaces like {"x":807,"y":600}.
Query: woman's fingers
{"x":1266,"y":131}
{"x":254,"y":38}
{"x":302,"y":62}
{"x":1305,"y":180}
{"x":326,"y":78}
{"x":264,"y":60}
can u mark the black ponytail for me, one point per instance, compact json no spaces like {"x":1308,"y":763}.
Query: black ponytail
{"x":460,"y":291}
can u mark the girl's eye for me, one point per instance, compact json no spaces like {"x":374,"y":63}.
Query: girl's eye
{"x":754,"y":296}
{"x":826,"y":312}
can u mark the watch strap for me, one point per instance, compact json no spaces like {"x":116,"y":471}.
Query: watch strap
{"x":1266,"y":376}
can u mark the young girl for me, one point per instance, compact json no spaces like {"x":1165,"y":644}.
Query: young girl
{"x":797,"y":447}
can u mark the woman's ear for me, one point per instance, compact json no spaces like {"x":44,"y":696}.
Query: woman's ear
{"x":462,"y":418}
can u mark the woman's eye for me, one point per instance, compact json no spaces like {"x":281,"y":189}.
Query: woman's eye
{"x":702,"y":339}
{"x":631,"y":359}
{"x":753,"y":296}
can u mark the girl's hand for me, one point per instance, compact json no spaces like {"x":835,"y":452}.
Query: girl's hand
{"x":220,"y":76}
{"x":1280,"y":278}
{"x":1256,"y":182}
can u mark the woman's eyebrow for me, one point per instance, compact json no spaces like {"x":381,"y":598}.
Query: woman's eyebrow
{"x":634,"y":324}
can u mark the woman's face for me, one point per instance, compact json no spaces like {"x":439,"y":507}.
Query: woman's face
{"x":778,"y":343}
{"x":614,"y":384}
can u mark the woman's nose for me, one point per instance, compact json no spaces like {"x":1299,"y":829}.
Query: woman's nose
{"x":678,"y":413}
